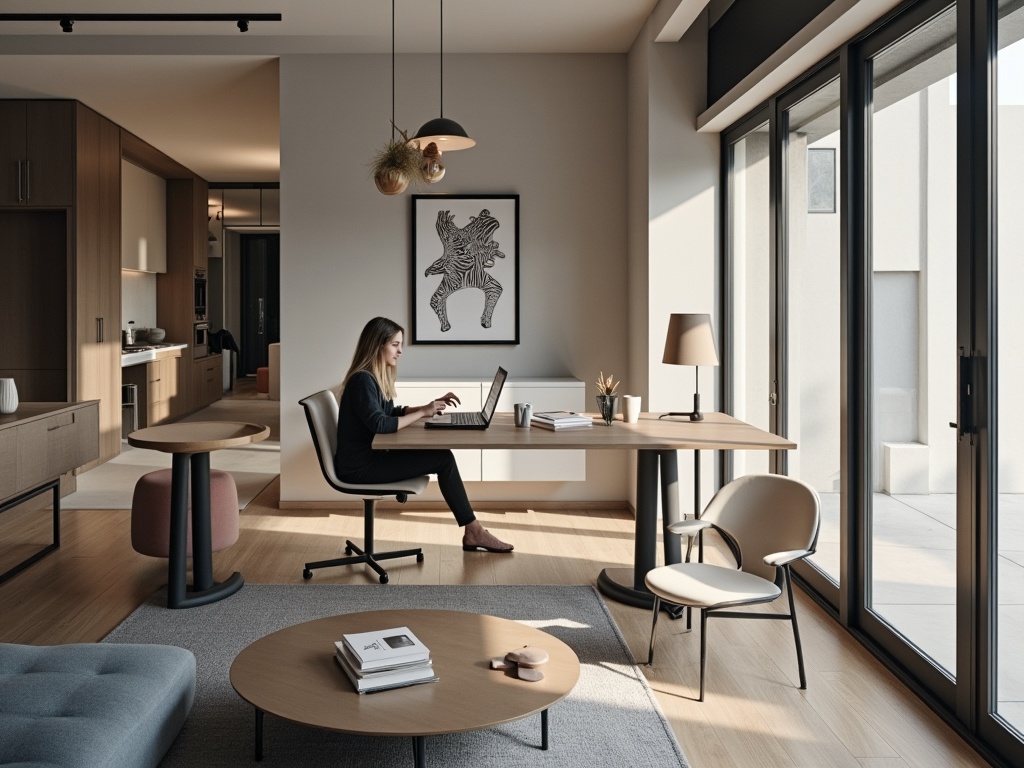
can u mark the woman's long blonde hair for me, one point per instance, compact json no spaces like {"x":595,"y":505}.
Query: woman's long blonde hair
{"x":369,"y":354}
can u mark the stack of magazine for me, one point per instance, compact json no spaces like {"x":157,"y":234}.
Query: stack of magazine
{"x":383,"y":659}
{"x":561,"y":420}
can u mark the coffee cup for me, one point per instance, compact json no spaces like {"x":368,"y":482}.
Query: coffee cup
{"x":523,"y":414}
{"x":631,"y":408}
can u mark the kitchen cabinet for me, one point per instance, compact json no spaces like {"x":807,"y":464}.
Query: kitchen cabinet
{"x":143,"y":220}
{"x":37,"y":153}
{"x":547,"y":394}
{"x":206,"y":381}
{"x":158,"y":388}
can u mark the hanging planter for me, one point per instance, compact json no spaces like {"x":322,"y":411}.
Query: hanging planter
{"x":397,"y":165}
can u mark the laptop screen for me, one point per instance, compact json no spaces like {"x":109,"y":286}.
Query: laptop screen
{"x":492,"y":396}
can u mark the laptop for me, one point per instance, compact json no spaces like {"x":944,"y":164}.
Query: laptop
{"x":479,"y":420}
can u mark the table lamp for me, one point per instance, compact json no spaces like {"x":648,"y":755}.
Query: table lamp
{"x":690,"y":341}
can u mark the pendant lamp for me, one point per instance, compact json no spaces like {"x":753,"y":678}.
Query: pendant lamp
{"x":446,"y":134}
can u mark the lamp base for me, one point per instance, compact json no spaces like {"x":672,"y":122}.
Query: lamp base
{"x":694,"y":415}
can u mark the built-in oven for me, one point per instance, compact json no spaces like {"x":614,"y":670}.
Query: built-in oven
{"x":200,"y":295}
{"x":201,"y":340}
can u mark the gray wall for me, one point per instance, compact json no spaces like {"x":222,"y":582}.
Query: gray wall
{"x":551,"y":128}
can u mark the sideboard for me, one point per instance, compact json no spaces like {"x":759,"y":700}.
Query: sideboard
{"x":39,"y":442}
{"x":544,"y":394}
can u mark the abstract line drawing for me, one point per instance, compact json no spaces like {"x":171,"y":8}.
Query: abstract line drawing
{"x":468,"y":252}
{"x":465,"y":269}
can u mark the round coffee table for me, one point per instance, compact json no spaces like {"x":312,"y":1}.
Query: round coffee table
{"x":292,"y":674}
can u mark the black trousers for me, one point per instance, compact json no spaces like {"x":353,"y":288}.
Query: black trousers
{"x":392,"y":466}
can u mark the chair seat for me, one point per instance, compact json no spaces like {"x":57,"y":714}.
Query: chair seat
{"x":708,"y":586}
{"x":411,"y":486}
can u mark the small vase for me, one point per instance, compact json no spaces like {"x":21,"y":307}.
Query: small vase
{"x":608,"y":405}
{"x":8,"y":396}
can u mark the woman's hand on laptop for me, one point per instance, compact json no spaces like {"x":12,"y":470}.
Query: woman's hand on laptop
{"x":450,"y":399}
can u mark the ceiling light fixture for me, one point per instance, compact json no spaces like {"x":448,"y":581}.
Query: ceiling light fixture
{"x":447,"y":134}
{"x":67,"y":20}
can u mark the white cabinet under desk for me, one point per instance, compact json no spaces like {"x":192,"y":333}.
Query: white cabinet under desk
{"x":544,"y":394}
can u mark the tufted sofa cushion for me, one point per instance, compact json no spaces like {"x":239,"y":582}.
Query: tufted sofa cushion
{"x":92,"y":704}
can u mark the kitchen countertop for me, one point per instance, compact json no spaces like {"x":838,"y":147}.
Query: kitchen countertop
{"x":150,"y":352}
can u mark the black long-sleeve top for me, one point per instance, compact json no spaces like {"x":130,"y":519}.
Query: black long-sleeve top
{"x":362,"y":413}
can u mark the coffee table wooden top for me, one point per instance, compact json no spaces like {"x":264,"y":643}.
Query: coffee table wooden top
{"x":292,"y":674}
{"x":198,"y":436}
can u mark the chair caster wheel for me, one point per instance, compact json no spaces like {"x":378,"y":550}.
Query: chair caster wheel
{"x":419,"y":557}
{"x":384,"y":579}
{"x":307,"y":574}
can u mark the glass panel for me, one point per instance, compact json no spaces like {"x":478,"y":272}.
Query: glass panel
{"x":749,"y":240}
{"x":913,"y":395}
{"x":813,"y":307}
{"x":1010,"y":357}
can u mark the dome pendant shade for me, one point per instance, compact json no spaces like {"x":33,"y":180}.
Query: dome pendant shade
{"x":447,"y":134}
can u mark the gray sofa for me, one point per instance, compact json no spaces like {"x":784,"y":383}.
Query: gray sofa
{"x":93,"y":704}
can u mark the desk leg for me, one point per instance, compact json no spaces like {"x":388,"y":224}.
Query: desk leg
{"x":670,"y":504}
{"x":176,"y":565}
{"x":202,"y":538}
{"x":419,"y":751}
{"x":205,"y":591}
{"x":627,"y":586}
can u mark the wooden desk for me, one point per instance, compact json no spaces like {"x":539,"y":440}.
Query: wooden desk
{"x":655,"y":441}
{"x":191,"y":443}
{"x":292,"y":674}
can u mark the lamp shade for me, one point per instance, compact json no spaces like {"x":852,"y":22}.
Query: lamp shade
{"x":690,"y":341}
{"x":447,"y":134}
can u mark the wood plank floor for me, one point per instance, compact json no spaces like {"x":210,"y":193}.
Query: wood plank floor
{"x":853,"y":713}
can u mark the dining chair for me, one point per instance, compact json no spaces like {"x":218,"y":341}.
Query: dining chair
{"x":322,"y":416}
{"x":767,"y":522}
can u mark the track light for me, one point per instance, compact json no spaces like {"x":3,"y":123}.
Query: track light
{"x":67,"y":23}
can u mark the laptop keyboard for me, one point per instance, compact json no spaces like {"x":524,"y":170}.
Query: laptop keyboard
{"x":466,"y":418}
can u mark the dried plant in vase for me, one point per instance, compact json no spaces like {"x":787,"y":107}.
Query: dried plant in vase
{"x":607,"y":400}
{"x":397,"y":165}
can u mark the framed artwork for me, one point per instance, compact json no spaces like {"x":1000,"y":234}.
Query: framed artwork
{"x":465,"y":269}
{"x":821,"y":180}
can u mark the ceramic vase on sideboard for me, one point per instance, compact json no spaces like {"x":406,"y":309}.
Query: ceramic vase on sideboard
{"x":8,"y":396}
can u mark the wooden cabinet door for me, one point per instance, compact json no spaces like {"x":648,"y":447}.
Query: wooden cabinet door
{"x":12,"y":152}
{"x":50,"y":153}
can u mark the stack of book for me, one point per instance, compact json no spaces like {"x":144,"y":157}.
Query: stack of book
{"x":561,"y":420}
{"x":384,"y":659}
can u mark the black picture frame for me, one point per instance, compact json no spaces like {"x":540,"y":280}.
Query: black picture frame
{"x":472,"y":242}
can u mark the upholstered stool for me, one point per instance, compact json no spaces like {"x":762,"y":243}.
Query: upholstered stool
{"x":151,"y":513}
{"x":263,"y":381}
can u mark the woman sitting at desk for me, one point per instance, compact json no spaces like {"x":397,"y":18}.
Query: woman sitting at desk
{"x":367,"y":409}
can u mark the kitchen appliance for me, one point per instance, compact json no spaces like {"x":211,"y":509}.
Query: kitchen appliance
{"x":201,"y":340}
{"x":200,"y":295}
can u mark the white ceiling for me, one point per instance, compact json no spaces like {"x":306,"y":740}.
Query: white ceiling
{"x":207,"y":95}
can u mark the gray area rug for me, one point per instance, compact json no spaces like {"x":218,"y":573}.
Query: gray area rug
{"x":611,"y":718}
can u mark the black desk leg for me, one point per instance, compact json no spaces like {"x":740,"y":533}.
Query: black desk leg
{"x":202,"y":538}
{"x":543,"y":729}
{"x":419,"y":751}
{"x":259,"y":734}
{"x":176,"y":565}
{"x":670,"y":504}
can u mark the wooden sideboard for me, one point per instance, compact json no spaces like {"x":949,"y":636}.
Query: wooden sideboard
{"x":38,"y":443}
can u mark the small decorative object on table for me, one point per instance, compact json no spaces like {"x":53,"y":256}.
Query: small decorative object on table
{"x":607,"y":400}
{"x":525,"y":662}
{"x":8,"y":396}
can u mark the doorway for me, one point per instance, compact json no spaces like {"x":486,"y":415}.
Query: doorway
{"x":261,"y":302}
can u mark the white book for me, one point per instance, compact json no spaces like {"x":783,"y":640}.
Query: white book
{"x":345,"y":656}
{"x":561,"y":417}
{"x":562,"y":424}
{"x":385,"y":647}
{"x":384,"y":682}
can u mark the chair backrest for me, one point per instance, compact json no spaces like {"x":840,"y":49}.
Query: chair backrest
{"x":322,"y":417}
{"x":766,"y":514}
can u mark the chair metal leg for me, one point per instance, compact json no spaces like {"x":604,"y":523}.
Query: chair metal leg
{"x":703,"y":648}
{"x":796,"y":629}
{"x":654,"y":624}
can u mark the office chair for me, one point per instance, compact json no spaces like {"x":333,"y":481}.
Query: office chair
{"x":322,"y":417}
{"x":768,"y":522}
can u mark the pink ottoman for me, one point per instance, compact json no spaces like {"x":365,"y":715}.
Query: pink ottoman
{"x":151,"y":513}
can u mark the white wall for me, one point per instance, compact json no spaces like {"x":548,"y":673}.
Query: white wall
{"x":551,"y":128}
